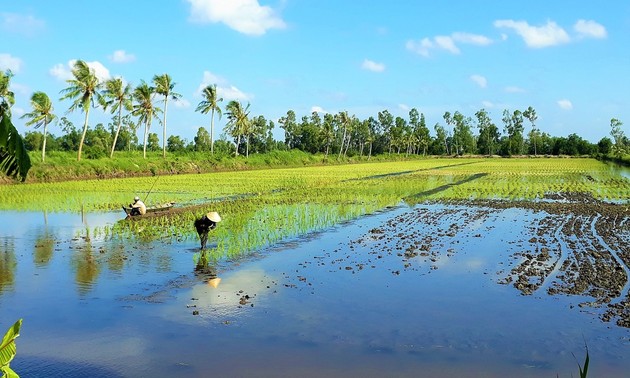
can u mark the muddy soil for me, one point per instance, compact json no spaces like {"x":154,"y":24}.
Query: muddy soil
{"x":577,"y":246}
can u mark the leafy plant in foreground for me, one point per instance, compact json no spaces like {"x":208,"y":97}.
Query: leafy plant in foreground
{"x":8,"y":350}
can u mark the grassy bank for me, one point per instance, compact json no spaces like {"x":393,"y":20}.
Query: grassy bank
{"x":63,"y":166}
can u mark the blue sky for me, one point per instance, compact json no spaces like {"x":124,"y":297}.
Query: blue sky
{"x":570,"y":60}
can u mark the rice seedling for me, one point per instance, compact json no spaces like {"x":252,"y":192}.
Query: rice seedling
{"x":263,"y":207}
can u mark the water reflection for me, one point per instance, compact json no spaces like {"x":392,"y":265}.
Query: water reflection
{"x":86,"y":267}
{"x":44,"y":247}
{"x":8,"y":264}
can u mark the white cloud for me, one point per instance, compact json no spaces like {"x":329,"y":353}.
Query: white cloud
{"x":181,"y":103}
{"x":589,"y":28}
{"x":60,"y":72}
{"x":404,"y":107}
{"x":487,"y":104}
{"x":20,"y":88}
{"x":536,"y":36}
{"x":317,"y":109}
{"x":481,"y":81}
{"x":565,"y":104}
{"x":471,"y":39}
{"x":121,"y":56}
{"x":224,"y":90}
{"x":17,"y":111}
{"x":245,"y":16}
{"x":446,"y":42}
{"x":421,"y":48}
{"x":64,"y":72}
{"x":373,"y":66}
{"x":27,"y":25}
{"x":513,"y":89}
{"x":9,"y":62}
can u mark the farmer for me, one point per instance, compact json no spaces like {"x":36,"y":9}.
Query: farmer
{"x":206,"y":223}
{"x":138,"y":207}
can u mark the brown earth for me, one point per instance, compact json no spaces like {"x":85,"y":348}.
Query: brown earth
{"x":577,"y":246}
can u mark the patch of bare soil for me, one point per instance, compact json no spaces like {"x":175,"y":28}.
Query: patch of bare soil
{"x":577,"y":245}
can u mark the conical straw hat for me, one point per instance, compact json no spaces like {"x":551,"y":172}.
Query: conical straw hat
{"x":214,"y":282}
{"x":214,"y":216}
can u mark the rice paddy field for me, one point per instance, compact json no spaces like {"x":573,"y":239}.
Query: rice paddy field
{"x":435,"y":267}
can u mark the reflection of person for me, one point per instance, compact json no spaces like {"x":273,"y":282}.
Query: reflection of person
{"x":138,"y":207}
{"x":205,"y":224}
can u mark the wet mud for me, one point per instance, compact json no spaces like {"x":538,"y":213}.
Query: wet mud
{"x":575,"y":246}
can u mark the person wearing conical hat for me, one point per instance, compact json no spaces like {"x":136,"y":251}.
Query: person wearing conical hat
{"x":205,"y":224}
{"x":138,"y":207}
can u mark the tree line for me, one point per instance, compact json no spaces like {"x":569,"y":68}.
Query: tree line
{"x":338,"y":134}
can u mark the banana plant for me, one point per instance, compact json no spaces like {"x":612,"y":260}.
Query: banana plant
{"x":8,"y":350}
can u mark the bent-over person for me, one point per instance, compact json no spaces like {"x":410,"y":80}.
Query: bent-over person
{"x":138,"y":207}
{"x":205,"y":224}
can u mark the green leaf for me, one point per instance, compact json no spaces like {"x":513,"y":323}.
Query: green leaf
{"x":14,"y":159}
{"x":8,"y":373}
{"x":8,"y":348}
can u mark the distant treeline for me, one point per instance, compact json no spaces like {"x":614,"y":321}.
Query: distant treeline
{"x":343,"y":135}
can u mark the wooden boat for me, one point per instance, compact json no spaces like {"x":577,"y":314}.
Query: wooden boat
{"x":152,"y":209}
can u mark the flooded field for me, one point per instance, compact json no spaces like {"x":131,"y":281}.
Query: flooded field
{"x":424,"y":287}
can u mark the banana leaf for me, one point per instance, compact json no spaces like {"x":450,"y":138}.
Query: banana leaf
{"x":8,"y":349}
{"x":14,"y":159}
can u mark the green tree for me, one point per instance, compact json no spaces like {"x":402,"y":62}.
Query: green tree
{"x":116,"y":95}
{"x":487,"y":133}
{"x":531,"y":115}
{"x":386,"y":120}
{"x":291,"y":129}
{"x":153,"y":142}
{"x":210,"y":104}
{"x":449,"y":122}
{"x":83,"y":89}
{"x":238,"y":121}
{"x":144,"y":109}
{"x":41,"y":115}
{"x":328,"y":131}
{"x":441,"y":143}
{"x":619,"y":138}
{"x":175,"y":144}
{"x":14,"y":159}
{"x":164,"y":86}
{"x":202,"y":140}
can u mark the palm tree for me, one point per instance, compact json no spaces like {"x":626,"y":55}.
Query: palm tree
{"x":42,"y":114}
{"x":210,"y":104}
{"x":117,"y":95}
{"x":238,"y":123}
{"x":144,"y":109}
{"x":164,"y":86}
{"x":83,"y":89}
{"x":14,"y":160}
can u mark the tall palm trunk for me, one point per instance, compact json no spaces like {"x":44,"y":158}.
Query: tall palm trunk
{"x":164,"y":129}
{"x":147,"y":124}
{"x":85,"y":126}
{"x":111,"y":154}
{"x":343,"y":140}
{"x":44,"y":142}
{"x":212,"y":132}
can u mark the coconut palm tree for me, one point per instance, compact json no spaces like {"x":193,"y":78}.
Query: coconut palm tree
{"x":238,"y":123}
{"x":164,"y":86}
{"x":116,"y":95}
{"x":144,"y":109}
{"x":84,"y":89}
{"x":14,"y":160}
{"x":210,"y":104}
{"x":41,"y":115}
